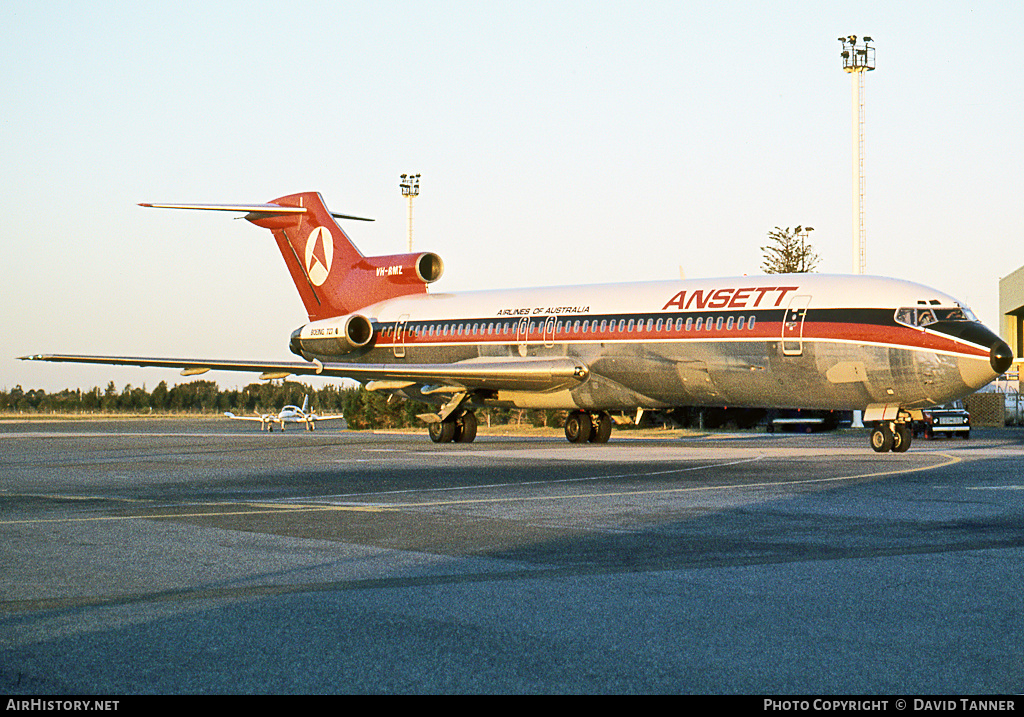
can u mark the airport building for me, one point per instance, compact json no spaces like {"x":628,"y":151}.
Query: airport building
{"x":1011,"y":309}
{"x":1011,"y":329}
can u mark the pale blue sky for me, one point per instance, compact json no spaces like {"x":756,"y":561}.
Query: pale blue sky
{"x":559,"y":143}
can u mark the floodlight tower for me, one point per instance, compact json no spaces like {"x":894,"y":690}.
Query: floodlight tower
{"x":858,"y":59}
{"x":410,"y":186}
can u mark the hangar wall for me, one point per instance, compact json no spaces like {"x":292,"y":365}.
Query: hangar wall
{"x":1011,"y":309}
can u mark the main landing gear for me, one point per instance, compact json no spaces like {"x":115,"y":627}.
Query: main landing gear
{"x":580,"y":427}
{"x":892,"y":436}
{"x":457,"y":428}
{"x":583,"y":427}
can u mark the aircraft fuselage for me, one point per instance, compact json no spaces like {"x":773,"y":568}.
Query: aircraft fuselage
{"x":781,"y":341}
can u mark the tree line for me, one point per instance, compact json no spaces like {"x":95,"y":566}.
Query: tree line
{"x":362,"y":409}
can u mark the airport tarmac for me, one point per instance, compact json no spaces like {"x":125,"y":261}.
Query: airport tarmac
{"x":192,"y":556}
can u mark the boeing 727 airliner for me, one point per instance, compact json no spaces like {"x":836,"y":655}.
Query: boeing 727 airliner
{"x":842,"y":342}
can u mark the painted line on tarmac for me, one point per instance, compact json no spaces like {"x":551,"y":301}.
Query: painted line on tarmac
{"x":692,"y":489}
{"x":260,"y":510}
{"x":264,"y":508}
{"x":612,"y":476}
{"x":523,"y":484}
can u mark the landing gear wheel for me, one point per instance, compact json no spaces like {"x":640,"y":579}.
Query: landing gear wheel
{"x":882,"y":438}
{"x":442,"y":431}
{"x":578,"y":427}
{"x":901,"y":439}
{"x":465,"y":427}
{"x":602,"y":429}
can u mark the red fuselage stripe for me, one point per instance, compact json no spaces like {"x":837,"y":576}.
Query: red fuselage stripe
{"x":415,"y":333}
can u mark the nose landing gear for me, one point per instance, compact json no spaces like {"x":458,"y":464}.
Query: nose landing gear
{"x":892,"y":436}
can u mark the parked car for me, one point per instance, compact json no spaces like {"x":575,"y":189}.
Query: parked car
{"x":951,"y":418}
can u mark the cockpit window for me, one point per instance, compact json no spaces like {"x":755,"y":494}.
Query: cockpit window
{"x":910,"y":316}
{"x":956,"y":314}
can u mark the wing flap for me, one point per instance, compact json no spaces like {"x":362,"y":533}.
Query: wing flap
{"x":509,"y":374}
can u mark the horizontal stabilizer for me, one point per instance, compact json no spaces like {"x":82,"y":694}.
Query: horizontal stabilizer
{"x":256,"y":209}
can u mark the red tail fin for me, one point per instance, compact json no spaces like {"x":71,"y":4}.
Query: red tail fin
{"x":332,"y":276}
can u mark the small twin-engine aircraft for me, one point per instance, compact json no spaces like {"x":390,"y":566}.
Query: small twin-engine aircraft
{"x":811,"y":341}
{"x":288,"y":414}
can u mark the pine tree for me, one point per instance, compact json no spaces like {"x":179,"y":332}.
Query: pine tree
{"x":788,"y":252}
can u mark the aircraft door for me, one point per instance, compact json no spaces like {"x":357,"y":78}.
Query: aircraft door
{"x":549,"y":332}
{"x":523,"y":334}
{"x":399,"y":339}
{"x":793,"y":326}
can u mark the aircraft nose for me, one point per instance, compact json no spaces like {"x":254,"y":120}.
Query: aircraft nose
{"x":1000,"y":357}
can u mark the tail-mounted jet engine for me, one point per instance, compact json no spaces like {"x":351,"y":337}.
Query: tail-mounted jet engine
{"x":422,"y":268}
{"x":331,"y":337}
{"x":342,"y":335}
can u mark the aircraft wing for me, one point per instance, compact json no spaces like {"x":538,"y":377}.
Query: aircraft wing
{"x":504,"y":373}
{"x":229,"y":414}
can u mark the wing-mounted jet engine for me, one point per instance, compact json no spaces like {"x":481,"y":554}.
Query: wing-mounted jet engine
{"x":332,"y":337}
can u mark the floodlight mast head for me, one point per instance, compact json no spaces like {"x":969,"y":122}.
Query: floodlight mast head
{"x":410,"y":185}
{"x":857,"y":58}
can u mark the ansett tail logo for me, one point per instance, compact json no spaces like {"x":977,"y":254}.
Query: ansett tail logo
{"x":319,"y":255}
